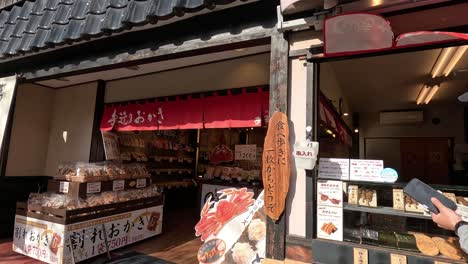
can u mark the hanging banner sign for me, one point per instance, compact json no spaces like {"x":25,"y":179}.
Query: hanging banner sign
{"x":276,"y":165}
{"x":56,"y":243}
{"x":7,"y":90}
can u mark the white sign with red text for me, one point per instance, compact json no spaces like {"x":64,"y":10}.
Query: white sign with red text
{"x":56,"y":243}
{"x":330,"y":193}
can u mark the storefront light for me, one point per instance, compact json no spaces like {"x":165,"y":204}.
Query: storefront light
{"x":431,"y":94}
{"x":356,"y":130}
{"x":345,"y":114}
{"x":444,"y":56}
{"x":422,"y":94}
{"x":455,"y":59}
{"x":329,"y":132}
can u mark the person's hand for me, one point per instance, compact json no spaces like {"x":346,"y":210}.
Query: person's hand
{"x":447,"y":218}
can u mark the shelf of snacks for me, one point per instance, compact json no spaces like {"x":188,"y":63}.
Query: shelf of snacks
{"x":351,"y":252}
{"x":384,"y":210}
{"x":98,"y":172}
{"x":62,"y":209}
{"x":172,"y":171}
{"x":174,"y":184}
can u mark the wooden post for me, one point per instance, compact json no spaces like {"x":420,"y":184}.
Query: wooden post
{"x":276,"y":230}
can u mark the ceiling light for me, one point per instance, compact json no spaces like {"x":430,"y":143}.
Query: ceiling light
{"x":356,"y":130}
{"x":334,"y":136}
{"x":63,"y":79}
{"x":431,"y":94}
{"x":345,"y":114}
{"x":422,"y":95}
{"x":441,"y":61}
{"x":329,"y":132}
{"x":455,"y":59}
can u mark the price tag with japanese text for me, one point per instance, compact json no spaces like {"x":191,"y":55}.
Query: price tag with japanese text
{"x":246,"y":152}
{"x":118,"y":185}
{"x":93,"y":187}
{"x":64,"y":187}
{"x":397,"y":259}
{"x":360,"y":256}
{"x":353,"y":191}
{"x":398,"y":199}
{"x":141,"y":183}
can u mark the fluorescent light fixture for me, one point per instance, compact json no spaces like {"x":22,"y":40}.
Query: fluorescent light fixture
{"x":455,"y":59}
{"x":441,"y":61}
{"x":431,"y":94}
{"x":422,"y":94}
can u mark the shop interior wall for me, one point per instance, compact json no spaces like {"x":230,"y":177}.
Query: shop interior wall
{"x":30,"y":132}
{"x":451,"y":125}
{"x":235,"y":73}
{"x":50,"y":126}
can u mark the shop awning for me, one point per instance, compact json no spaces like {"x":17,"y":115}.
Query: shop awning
{"x":244,"y":108}
{"x":351,"y":34}
{"x":42,"y":24}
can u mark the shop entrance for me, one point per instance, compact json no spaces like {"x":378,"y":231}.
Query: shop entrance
{"x":403,"y":112}
{"x":173,"y":132}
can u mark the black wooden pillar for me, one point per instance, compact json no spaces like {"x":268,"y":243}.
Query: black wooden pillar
{"x":276,"y":230}
{"x":97,"y":145}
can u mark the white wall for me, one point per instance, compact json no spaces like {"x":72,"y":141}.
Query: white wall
{"x":74,"y":114}
{"x":30,"y":133}
{"x":296,"y":203}
{"x":451,"y":125}
{"x":236,"y":73}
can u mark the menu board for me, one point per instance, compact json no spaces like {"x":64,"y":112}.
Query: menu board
{"x":330,"y":193}
{"x":331,"y":168}
{"x":366,"y":170}
{"x":245,"y":152}
{"x":330,"y":223}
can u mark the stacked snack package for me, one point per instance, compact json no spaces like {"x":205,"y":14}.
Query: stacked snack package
{"x":61,"y":201}
{"x":94,"y":172}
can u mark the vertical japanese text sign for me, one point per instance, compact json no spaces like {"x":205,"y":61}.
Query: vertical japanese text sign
{"x":276,"y":165}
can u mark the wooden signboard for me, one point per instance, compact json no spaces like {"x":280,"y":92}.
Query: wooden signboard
{"x":276,"y":165}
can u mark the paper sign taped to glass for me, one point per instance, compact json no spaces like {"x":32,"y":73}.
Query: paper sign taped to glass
{"x":233,"y":229}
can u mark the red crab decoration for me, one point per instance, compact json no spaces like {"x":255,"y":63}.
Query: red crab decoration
{"x":232,"y":203}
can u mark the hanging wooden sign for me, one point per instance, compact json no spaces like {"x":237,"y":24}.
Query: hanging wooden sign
{"x":276,"y":165}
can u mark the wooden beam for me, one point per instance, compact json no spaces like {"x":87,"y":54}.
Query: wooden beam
{"x":97,"y":145}
{"x":276,"y":230}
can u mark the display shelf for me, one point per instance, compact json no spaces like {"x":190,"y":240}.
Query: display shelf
{"x":343,"y":253}
{"x":403,"y":184}
{"x":171,"y":171}
{"x":177,"y":184}
{"x":384,"y":210}
{"x":83,"y":189}
{"x":172,"y":159}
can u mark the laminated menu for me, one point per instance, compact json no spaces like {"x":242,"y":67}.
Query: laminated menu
{"x":366,"y":170}
{"x":330,"y":168}
{"x":330,"y":193}
{"x":330,"y":223}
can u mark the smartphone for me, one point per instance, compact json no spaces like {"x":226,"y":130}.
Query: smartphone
{"x":423,"y":193}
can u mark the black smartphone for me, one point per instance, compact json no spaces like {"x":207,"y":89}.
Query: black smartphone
{"x":423,"y":193}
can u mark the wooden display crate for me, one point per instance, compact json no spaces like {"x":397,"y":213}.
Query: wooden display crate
{"x":83,"y":189}
{"x":65,"y":217}
{"x":58,"y":236}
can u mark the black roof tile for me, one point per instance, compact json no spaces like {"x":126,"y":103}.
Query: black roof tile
{"x":39,"y":24}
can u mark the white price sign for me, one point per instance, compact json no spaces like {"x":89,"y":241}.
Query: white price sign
{"x":246,"y":152}
{"x":93,"y":187}
{"x":64,"y":187}
{"x":118,"y":185}
{"x":141,"y":183}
